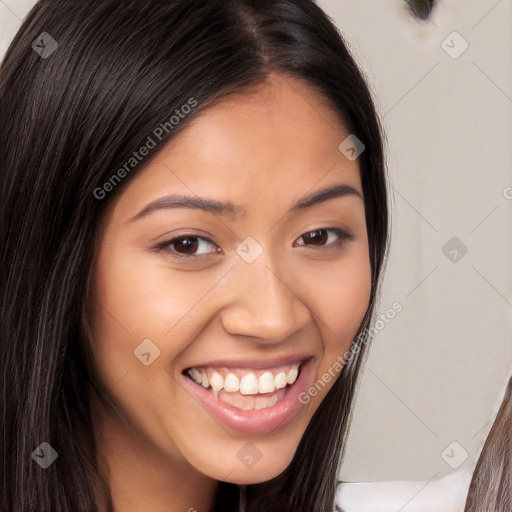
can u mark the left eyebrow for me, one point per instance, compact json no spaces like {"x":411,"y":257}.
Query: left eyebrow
{"x":324,"y":195}
{"x":227,"y":208}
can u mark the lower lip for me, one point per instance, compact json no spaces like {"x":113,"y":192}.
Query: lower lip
{"x":261,"y":421}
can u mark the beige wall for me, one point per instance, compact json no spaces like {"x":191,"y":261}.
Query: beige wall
{"x":11,"y":15}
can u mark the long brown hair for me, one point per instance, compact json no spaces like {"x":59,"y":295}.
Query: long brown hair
{"x":491,"y":486}
{"x":71,"y":118}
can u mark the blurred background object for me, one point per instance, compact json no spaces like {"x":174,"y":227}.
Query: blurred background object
{"x":420,"y":9}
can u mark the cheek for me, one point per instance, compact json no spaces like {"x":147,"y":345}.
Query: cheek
{"x":129,"y":306}
{"x":340,"y":303}
{"x":136,"y":301}
{"x":347,"y":299}
{"x":339,"y":295}
{"x":143,"y":296}
{"x":139,"y":297}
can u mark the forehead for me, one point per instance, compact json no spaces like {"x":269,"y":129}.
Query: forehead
{"x":283,"y":117}
{"x":277,"y":140}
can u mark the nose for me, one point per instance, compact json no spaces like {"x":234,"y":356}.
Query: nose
{"x":262,"y":303}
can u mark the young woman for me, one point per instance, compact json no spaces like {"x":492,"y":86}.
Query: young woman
{"x":194,"y":226}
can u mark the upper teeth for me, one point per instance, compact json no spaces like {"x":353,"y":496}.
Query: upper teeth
{"x":247,"y":383}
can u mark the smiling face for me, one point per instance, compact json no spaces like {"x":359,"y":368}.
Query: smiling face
{"x":241,"y":298}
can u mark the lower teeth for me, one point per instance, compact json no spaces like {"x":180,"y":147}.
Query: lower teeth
{"x":251,"y":402}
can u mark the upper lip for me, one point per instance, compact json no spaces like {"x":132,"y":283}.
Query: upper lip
{"x":257,"y":364}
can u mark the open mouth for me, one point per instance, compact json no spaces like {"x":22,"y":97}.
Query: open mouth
{"x":244,"y":388}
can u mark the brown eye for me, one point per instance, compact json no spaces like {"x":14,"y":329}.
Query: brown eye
{"x":317,"y":237}
{"x":325,"y":237}
{"x":188,"y":246}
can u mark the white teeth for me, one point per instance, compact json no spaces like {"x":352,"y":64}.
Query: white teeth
{"x":266,"y":383}
{"x":280,"y":380}
{"x":231,"y":383}
{"x":261,"y":402}
{"x":195,"y":374}
{"x":216,"y":382}
{"x":248,"y":403}
{"x":292,"y":375}
{"x":235,"y":400}
{"x":251,"y":402}
{"x":249,"y":384}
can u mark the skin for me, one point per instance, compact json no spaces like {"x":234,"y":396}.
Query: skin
{"x":262,"y":150}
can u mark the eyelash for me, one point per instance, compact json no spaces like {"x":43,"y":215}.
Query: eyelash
{"x":166,"y":246}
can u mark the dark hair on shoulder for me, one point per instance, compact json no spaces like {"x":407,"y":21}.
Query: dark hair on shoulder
{"x":72,"y":119}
